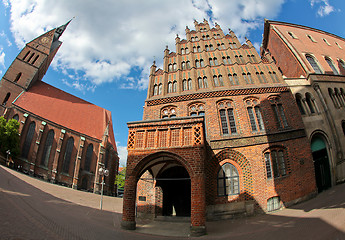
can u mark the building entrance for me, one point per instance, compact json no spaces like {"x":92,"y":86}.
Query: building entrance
{"x":321,"y":164}
{"x":176,"y":187}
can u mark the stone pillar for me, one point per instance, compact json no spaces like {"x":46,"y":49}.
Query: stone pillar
{"x":36,"y":147}
{"x":129,"y":198}
{"x":77,"y":163}
{"x":57,"y":155}
{"x":198,"y":206}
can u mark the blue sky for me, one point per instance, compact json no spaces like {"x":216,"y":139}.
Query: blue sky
{"x":109,"y":46}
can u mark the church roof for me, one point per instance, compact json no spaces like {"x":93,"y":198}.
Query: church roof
{"x":67,"y":110}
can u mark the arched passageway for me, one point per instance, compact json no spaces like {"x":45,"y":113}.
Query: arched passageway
{"x":321,"y":163}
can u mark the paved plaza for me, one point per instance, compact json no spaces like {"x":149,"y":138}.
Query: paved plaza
{"x":33,"y":209}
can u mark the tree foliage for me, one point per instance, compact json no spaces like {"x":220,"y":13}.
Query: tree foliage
{"x":120,"y":178}
{"x":9,"y":136}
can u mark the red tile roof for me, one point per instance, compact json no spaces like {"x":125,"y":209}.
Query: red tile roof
{"x":67,"y":110}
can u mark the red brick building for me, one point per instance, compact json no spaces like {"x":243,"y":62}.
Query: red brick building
{"x":64,"y":139}
{"x":312,"y":62}
{"x":221,"y":135}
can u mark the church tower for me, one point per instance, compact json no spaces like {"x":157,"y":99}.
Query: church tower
{"x":29,"y":66}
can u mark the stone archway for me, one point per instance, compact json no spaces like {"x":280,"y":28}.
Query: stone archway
{"x":321,"y":162}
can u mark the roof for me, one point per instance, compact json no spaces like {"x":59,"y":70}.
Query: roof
{"x":67,"y":110}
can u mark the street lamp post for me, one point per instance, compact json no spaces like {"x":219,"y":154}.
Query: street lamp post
{"x":103,"y":172}
{"x":8,"y":152}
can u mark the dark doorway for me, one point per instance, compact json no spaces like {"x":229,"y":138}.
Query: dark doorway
{"x":84,"y":183}
{"x":321,"y":164}
{"x":175,"y":183}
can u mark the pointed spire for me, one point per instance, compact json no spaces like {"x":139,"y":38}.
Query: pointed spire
{"x":59,"y":31}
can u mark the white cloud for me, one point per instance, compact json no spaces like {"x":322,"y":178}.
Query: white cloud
{"x":324,"y":7}
{"x":6,"y":3}
{"x":3,"y":35}
{"x":108,"y":39}
{"x":2,"y":59}
{"x":122,"y":152}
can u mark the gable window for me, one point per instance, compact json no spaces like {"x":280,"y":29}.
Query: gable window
{"x":228,"y":180}
{"x":313,"y":64}
{"x":68,"y":155}
{"x":331,"y":65}
{"x":279,"y":112}
{"x":47,"y":148}
{"x":255,"y":116}
{"x":227,"y":118}
{"x":275,"y":163}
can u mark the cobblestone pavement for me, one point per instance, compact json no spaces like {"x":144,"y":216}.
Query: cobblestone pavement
{"x":34,"y":209}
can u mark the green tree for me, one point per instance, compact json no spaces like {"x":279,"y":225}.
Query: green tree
{"x":120,"y":178}
{"x":9,"y":136}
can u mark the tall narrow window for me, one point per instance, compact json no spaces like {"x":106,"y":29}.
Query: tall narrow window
{"x":310,"y":102}
{"x":6,"y":99}
{"x":17,"y":77}
{"x":228,"y":180}
{"x":160,"y":89}
{"x":268,"y":165}
{"x":227,"y":118}
{"x":184,"y":85}
{"x":47,"y":148}
{"x":205,"y":82}
{"x":188,"y":64}
{"x":275,"y":161}
{"x":215,"y":81}
{"x":255,"y":116}
{"x":300,"y":103}
{"x":313,"y":64}
{"x":28,"y":140}
{"x":331,"y":65}
{"x":183,"y":65}
{"x":68,"y":155}
{"x":88,"y":157}
{"x":170,"y":87}
{"x":155,"y":90}
{"x":279,"y":112}
{"x":174,"y":86}
{"x":189,"y":84}
{"x":35,"y":59}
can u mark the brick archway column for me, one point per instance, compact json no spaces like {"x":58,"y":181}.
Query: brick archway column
{"x":198,"y":206}
{"x":129,"y":198}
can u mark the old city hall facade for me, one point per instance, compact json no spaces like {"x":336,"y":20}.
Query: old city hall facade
{"x":221,"y":135}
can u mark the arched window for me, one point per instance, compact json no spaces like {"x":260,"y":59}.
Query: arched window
{"x":28,"y":140}
{"x":227,"y":117}
{"x":331,"y":65}
{"x":249,"y":77}
{"x":33,"y":62}
{"x":211,"y":62}
{"x":197,"y":109}
{"x":6,"y":99}
{"x":221,"y":82}
{"x":174,"y":86}
{"x":215,"y":81}
{"x":198,"y":48}
{"x":184,"y":85}
{"x":202,"y":63}
{"x":224,"y":60}
{"x":17,"y":77}
{"x":27,"y":54}
{"x":279,"y":112}
{"x":174,"y":66}
{"x":228,"y":180}
{"x":233,"y":79}
{"x":207,"y":48}
{"x":47,"y":148}
{"x":183,"y":51}
{"x":88,"y":157}
{"x":339,"y":97}
{"x":300,"y":103}
{"x":189,"y":84}
{"x":255,"y":116}
{"x":275,"y":160}
{"x":194,"y":49}
{"x":155,"y":90}
{"x":68,"y":155}
{"x":229,"y":60}
{"x":170,"y":67}
{"x":183,"y":65}
{"x":197,"y":63}
{"x":187,"y":50}
{"x":263,"y":77}
{"x":273,"y":203}
{"x":310,"y":102}
{"x":313,"y":64}
{"x":341,"y":66}
{"x":333,"y":98}
{"x":211,"y":47}
{"x":160,"y":89}
{"x":188,"y":64}
{"x":16,"y":117}
{"x":215,"y":61}
{"x":168,"y":112}
{"x":200,"y":82}
{"x":205,"y":82}
{"x":170,"y":87}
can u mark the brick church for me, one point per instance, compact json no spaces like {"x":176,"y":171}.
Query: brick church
{"x":63,"y":139}
{"x":221,"y":135}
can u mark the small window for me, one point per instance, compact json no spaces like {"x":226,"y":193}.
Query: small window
{"x":160,"y":89}
{"x":331,"y":65}
{"x":325,"y":40}
{"x":311,"y":38}
{"x":292,"y":35}
{"x":313,"y":64}
{"x":197,"y":109}
{"x":168,"y":112}
{"x":19,"y":75}
{"x":4,"y":102}
{"x":228,"y":180}
{"x":273,"y":204}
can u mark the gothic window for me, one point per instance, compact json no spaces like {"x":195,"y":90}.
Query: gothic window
{"x":310,"y":102}
{"x":331,"y":65}
{"x":211,"y":62}
{"x":6,"y":99}
{"x":174,"y":86}
{"x":168,"y":112}
{"x":215,"y":81}
{"x":227,"y":117}
{"x":88,"y":157}
{"x":207,"y":48}
{"x":333,"y":98}
{"x":229,"y":60}
{"x":188,"y":64}
{"x":155,"y":90}
{"x":259,"y":77}
{"x":183,"y":65}
{"x":27,"y":54}
{"x":228,"y":180}
{"x":263,"y":77}
{"x":215,"y":61}
{"x":221,"y":82}
{"x":224,"y":60}
{"x":300,"y":103}
{"x":241,"y":59}
{"x":233,"y":79}
{"x":279,"y":112}
{"x":199,"y":49}
{"x":187,"y":50}
{"x":211,"y":47}
{"x":313,"y":64}
{"x":197,"y":63}
{"x":249,"y":77}
{"x":200,"y":82}
{"x":196,"y":39}
{"x":68,"y":155}
{"x":47,"y":148}
{"x":31,"y":56}
{"x":223,"y":46}
{"x":28,"y":140}
{"x":189,"y":84}
{"x":184,"y":85}
{"x":275,"y":163}
{"x":339,"y":97}
{"x":255,"y":116}
{"x":194,"y":49}
{"x":17,"y":77}
{"x":342,"y":65}
{"x":16,"y":117}
{"x":174,"y":66}
{"x":205,"y":82}
{"x":197,"y":109}
{"x":193,"y":39}
{"x":170,"y":87}
{"x":202,"y":63}
{"x":170,"y":67}
{"x":207,"y":36}
{"x":160,"y":89}
{"x":183,"y":51}
{"x":244,"y":75}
